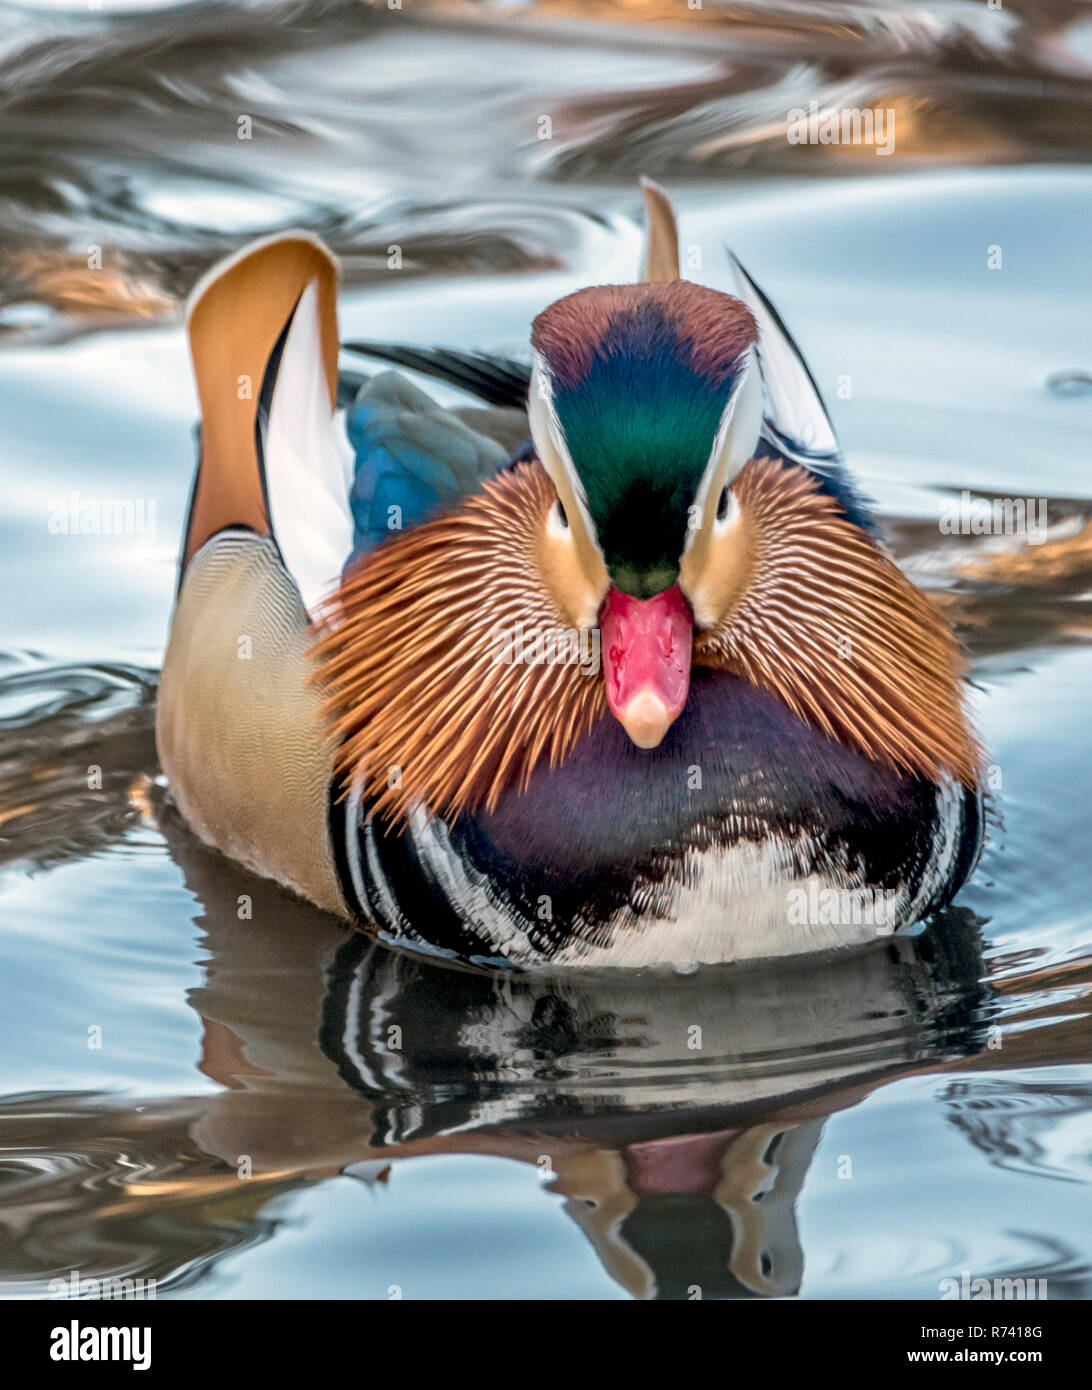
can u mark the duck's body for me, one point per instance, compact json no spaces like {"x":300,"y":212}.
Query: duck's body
{"x":592,"y":866}
{"x":390,"y":743}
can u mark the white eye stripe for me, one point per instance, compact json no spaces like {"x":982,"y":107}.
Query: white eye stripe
{"x":736,"y":438}
{"x":551,"y":447}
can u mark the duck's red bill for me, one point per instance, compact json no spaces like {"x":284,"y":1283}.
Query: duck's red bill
{"x":646,"y":647}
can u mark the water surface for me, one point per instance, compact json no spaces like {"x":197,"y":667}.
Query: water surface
{"x":862,"y":1125}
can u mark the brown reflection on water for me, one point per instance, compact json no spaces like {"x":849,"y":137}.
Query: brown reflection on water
{"x":967,"y":84}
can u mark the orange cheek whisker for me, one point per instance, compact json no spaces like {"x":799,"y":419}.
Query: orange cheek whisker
{"x":839,"y":633}
{"x":405,"y":658}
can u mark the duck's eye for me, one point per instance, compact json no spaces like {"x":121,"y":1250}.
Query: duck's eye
{"x":559,"y":515}
{"x":722,"y":505}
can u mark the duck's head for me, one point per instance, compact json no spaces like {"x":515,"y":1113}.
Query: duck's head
{"x":645,"y":403}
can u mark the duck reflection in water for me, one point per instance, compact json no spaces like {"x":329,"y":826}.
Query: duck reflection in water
{"x":675,"y":1115}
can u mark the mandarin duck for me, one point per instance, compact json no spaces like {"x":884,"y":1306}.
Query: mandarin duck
{"x":611,"y":668}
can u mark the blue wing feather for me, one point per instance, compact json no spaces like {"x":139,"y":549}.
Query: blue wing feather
{"x":413,"y":458}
